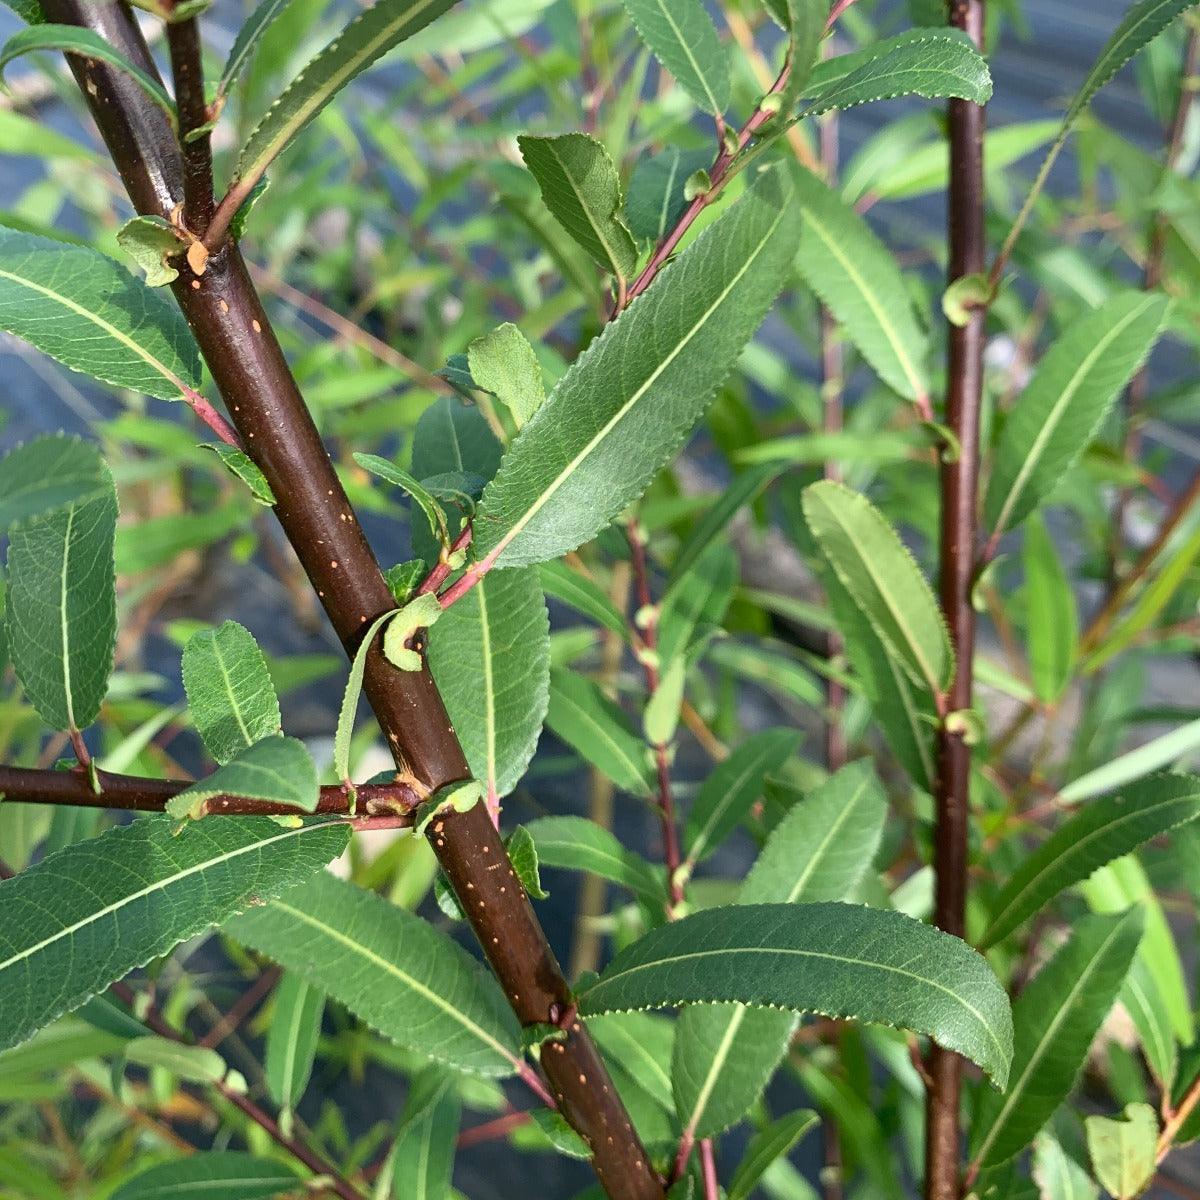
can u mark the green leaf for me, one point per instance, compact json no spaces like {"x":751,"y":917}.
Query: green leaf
{"x":400,"y":478}
{"x":239,"y":463}
{"x":522,"y":853}
{"x":805,"y":22}
{"x":490,"y":655}
{"x":230,"y":695}
{"x":1058,"y":1176}
{"x":857,"y":279}
{"x":1123,"y":1151}
{"x":629,"y":400}
{"x":427,"y":1141}
{"x":366,"y":39}
{"x":150,"y":242}
{"x":86,"y":44}
{"x":883,"y":579}
{"x":30,"y":11}
{"x":1066,"y":401}
{"x":350,"y":697}
{"x":581,"y":845}
{"x":1165,"y":750}
{"x":765,"y":1147}
{"x":582,"y":189}
{"x":733,"y":786}
{"x":726,"y":1054}
{"x":695,"y":604}
{"x":839,"y":960}
{"x":390,"y":968}
{"x":47,"y":473}
{"x":211,"y":1175}
{"x":1152,"y":1020}
{"x":583,"y":717}
{"x":640,"y":1043}
{"x":655,"y":200}
{"x":1055,"y":1020}
{"x":247,"y":41}
{"x":503,"y":362}
{"x":922,"y":62}
{"x":577,"y":590}
{"x":292,"y":1041}
{"x":1051,"y":618}
{"x":278,"y":769}
{"x":560,"y":1134}
{"x":660,"y":719}
{"x":92,"y":315}
{"x":93,"y":912}
{"x":681,"y":35}
{"x":61,"y":607}
{"x":1105,"y":830}
{"x":421,"y":612}
{"x":192,"y":1064}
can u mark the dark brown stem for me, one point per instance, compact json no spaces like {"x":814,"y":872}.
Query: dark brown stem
{"x":960,"y":482}
{"x":25,"y":785}
{"x":245,"y":1004}
{"x":187,"y":71}
{"x":248,"y":367}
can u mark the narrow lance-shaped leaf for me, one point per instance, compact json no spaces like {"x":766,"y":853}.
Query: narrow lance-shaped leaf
{"x":426,"y":1144}
{"x":248,"y":38}
{"x":390,"y":968}
{"x":1106,"y":829}
{"x":292,"y":1042}
{"x":230,"y":695}
{"x":1057,"y":1175}
{"x":490,"y":655}
{"x":278,"y":770}
{"x":1065,"y":402}
{"x":629,"y":400}
{"x":857,"y":279}
{"x":1051,"y":618}
{"x":923,"y":62}
{"x":838,"y":960}
{"x":1055,"y":1020}
{"x":681,"y":35}
{"x":581,"y":845}
{"x":579,"y":592}
{"x":48,"y":473}
{"x":581,"y":187}
{"x":61,"y":607}
{"x":95,"y":911}
{"x":1152,"y":1020}
{"x":732,"y":787}
{"x":87,"y":44}
{"x":765,"y":1147}
{"x":726,"y":1054}
{"x":367,"y":38}
{"x":212,"y":1175}
{"x":92,"y":315}
{"x":883,"y":579}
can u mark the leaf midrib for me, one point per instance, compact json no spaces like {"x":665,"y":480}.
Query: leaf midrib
{"x":683,"y":45}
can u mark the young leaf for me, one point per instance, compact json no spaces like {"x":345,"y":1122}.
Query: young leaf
{"x":681,"y":35}
{"x":1054,"y":1022}
{"x":400,"y":478}
{"x":922,"y":62}
{"x":191,"y":1064}
{"x":426,"y":1144}
{"x":696,"y":603}
{"x":839,"y":960}
{"x":765,"y":1147}
{"x":278,"y":770}
{"x":95,"y":911}
{"x":655,"y":200}
{"x":522,"y":853}
{"x":292,"y":1041}
{"x":230,"y":695}
{"x":883,"y":579}
{"x":390,"y":968}
{"x":367,"y":38}
{"x":733,"y":786}
{"x":85,"y":43}
{"x":572,"y":588}
{"x":725,"y":1054}
{"x":1105,"y":830}
{"x":490,"y":655}
{"x":1124,"y":1150}
{"x":1052,"y":622}
{"x":150,"y":241}
{"x":582,"y":189}
{"x":92,"y":315}
{"x":247,"y":41}
{"x":581,"y":845}
{"x":630,"y":398}
{"x":61,"y":607}
{"x":1065,"y":402}
{"x":583,"y":717}
{"x":47,"y":473}
{"x":239,"y":463}
{"x":212,"y":1175}
{"x":857,"y":279}
{"x":1057,"y":1175}
{"x":503,"y":362}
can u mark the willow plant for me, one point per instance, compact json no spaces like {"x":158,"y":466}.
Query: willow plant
{"x":959,"y":937}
